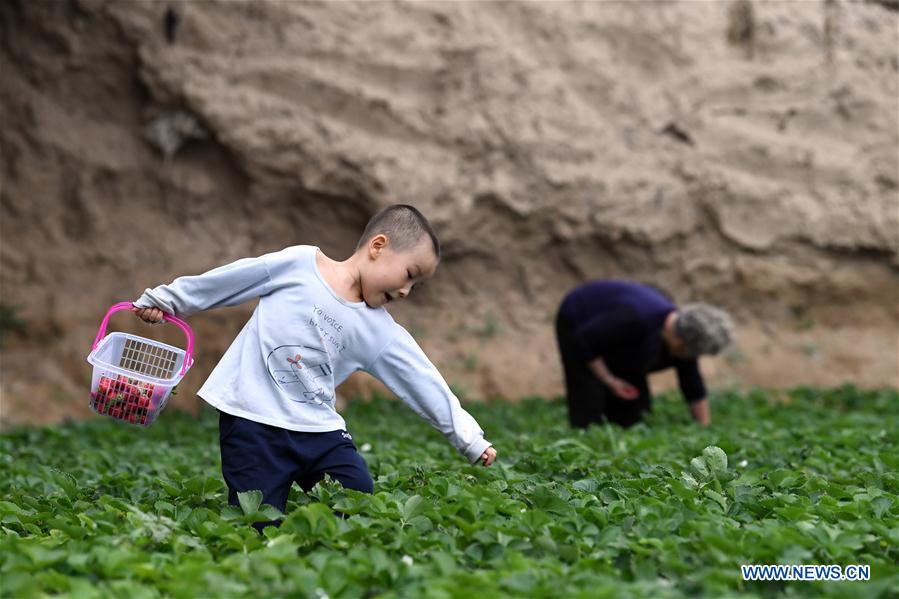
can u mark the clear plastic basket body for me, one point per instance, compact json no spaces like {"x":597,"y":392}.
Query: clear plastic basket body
{"x":133,"y":376}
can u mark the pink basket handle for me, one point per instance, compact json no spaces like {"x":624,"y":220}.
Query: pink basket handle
{"x":188,"y":332}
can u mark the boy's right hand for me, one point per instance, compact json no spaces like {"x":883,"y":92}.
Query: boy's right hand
{"x":151,"y":315}
{"x":488,"y":456}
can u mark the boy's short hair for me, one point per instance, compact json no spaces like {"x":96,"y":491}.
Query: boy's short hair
{"x":404,"y":225}
{"x":704,"y":329}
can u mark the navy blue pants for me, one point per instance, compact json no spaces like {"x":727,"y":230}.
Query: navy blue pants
{"x":589,"y":399}
{"x":269,"y":458}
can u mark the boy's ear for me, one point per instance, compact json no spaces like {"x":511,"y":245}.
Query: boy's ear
{"x":377,"y":244}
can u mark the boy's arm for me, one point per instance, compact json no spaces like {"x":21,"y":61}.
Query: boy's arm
{"x":227,"y":285}
{"x":407,"y":371}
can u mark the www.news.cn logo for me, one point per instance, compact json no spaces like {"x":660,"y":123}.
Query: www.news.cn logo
{"x":805,"y":572}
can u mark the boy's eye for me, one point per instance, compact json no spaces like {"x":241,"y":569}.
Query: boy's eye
{"x":409,"y":274}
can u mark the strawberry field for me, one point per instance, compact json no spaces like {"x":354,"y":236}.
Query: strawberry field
{"x":666,"y":509}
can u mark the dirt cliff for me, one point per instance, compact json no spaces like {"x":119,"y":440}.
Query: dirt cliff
{"x":740,"y":153}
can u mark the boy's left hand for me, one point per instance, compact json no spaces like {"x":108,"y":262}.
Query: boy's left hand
{"x":488,"y":456}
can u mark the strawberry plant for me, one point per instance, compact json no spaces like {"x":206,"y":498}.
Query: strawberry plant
{"x":665,"y":509}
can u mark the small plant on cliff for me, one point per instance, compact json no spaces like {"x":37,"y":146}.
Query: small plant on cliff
{"x":10,"y":321}
{"x":741,"y":26}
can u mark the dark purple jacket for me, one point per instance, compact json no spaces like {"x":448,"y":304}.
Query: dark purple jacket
{"x":622,"y":322}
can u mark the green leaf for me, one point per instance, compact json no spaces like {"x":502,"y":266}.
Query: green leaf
{"x":249,"y":501}
{"x":715,"y":458}
{"x":689,"y":481}
{"x":717,"y":497}
{"x":700,"y":468}
{"x":413,"y":506}
{"x":881,"y":505}
{"x":270,"y":512}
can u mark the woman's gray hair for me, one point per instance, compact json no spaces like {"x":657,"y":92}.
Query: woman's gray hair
{"x":704,"y":329}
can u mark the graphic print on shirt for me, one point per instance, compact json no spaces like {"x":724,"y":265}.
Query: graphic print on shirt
{"x":303,"y":372}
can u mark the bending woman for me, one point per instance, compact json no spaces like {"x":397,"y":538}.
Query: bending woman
{"x":612,"y":334}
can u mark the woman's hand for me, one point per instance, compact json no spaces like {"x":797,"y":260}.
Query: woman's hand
{"x":623,"y":389}
{"x":619,"y":387}
{"x":701,"y":412}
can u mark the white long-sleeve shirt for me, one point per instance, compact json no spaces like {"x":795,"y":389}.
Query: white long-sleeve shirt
{"x":302,"y":341}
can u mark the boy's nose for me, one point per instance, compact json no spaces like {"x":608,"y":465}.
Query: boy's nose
{"x":404,"y":291}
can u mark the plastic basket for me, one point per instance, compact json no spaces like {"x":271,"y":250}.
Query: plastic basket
{"x":134,"y":376}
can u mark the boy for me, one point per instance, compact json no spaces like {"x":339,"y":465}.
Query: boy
{"x":317,"y":321}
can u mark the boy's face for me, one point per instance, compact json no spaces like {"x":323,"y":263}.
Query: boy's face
{"x":389,"y":275}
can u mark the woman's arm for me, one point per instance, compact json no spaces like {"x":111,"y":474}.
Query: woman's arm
{"x":620,"y":387}
{"x":693,"y":387}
